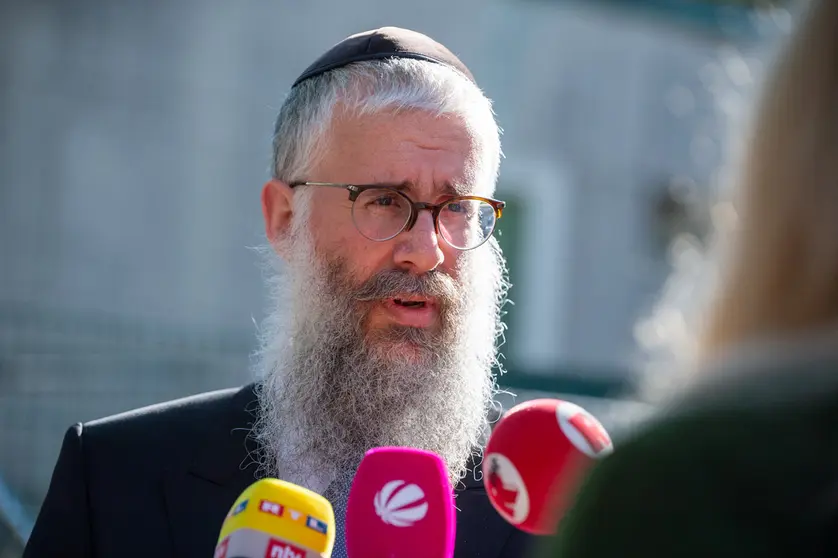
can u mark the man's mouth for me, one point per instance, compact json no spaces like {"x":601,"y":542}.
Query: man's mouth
{"x":410,"y":303}
{"x":412,"y":310}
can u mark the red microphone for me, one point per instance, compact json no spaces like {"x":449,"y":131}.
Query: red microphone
{"x":535,"y":460}
{"x":401,"y":505}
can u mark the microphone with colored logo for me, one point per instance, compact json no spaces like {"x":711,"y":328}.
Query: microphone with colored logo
{"x":277,"y":519}
{"x":536,"y":458}
{"x":401,"y":505}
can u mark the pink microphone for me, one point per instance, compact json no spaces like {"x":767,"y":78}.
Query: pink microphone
{"x":401,"y":505}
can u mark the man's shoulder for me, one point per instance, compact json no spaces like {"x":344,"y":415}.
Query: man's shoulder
{"x":179,"y":413}
{"x":173,"y":426}
{"x":754,"y":410}
{"x":187,"y":408}
{"x":791,"y":388}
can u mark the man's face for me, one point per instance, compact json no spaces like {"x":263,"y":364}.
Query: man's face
{"x":434,"y":158}
{"x":345,"y":360}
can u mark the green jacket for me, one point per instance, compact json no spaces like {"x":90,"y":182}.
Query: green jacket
{"x":744,"y":465}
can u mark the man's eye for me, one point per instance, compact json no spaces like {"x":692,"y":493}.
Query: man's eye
{"x":384,"y":201}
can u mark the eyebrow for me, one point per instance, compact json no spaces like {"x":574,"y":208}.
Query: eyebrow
{"x":448,"y":188}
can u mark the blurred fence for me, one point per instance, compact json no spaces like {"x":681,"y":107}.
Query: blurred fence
{"x":58,"y":368}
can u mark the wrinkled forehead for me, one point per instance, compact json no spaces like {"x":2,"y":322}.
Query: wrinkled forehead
{"x":420,"y":152}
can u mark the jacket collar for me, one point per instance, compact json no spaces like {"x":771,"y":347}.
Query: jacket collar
{"x":229,"y":452}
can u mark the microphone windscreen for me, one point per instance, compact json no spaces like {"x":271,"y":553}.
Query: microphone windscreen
{"x":401,"y":505}
{"x":277,"y":519}
{"x":536,"y":458}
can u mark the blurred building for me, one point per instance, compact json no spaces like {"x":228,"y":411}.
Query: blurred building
{"x":136,"y":138}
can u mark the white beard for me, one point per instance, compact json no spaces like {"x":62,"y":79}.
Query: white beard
{"x":330,"y":391}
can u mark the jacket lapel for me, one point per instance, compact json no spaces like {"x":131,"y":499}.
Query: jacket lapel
{"x":199,"y":494}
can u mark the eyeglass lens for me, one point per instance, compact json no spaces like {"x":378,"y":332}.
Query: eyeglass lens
{"x":381,"y":214}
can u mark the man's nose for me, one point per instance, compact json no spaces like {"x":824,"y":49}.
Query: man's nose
{"x":418,"y":249}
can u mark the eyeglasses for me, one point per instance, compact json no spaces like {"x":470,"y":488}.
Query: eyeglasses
{"x":381,"y":213}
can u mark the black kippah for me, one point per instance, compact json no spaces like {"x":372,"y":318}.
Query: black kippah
{"x":386,"y":42}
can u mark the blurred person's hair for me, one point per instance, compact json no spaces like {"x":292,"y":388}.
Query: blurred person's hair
{"x":782,"y":274}
{"x":301,"y":133}
{"x":769,"y":267}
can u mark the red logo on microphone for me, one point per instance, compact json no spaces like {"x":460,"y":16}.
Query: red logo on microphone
{"x":583,"y":430}
{"x":506,"y":488}
{"x":221,"y":549}
{"x":279,"y":549}
{"x":506,"y":497}
{"x":266,"y":506}
{"x":593,"y":432}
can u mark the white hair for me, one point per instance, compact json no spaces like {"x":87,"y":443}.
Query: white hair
{"x":370,"y":87}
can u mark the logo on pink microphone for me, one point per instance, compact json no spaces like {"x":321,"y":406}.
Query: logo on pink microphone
{"x":400,"y":504}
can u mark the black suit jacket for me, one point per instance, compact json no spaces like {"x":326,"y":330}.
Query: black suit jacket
{"x":159,"y":481}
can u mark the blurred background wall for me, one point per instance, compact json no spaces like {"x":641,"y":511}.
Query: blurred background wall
{"x":135,"y":139}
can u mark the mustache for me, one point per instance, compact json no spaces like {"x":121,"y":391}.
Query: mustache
{"x":391,"y":283}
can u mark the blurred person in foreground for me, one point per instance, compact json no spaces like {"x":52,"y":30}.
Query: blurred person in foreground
{"x":386,"y":286}
{"x":744,"y":461}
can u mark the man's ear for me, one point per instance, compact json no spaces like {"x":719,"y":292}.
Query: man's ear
{"x":277,"y":208}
